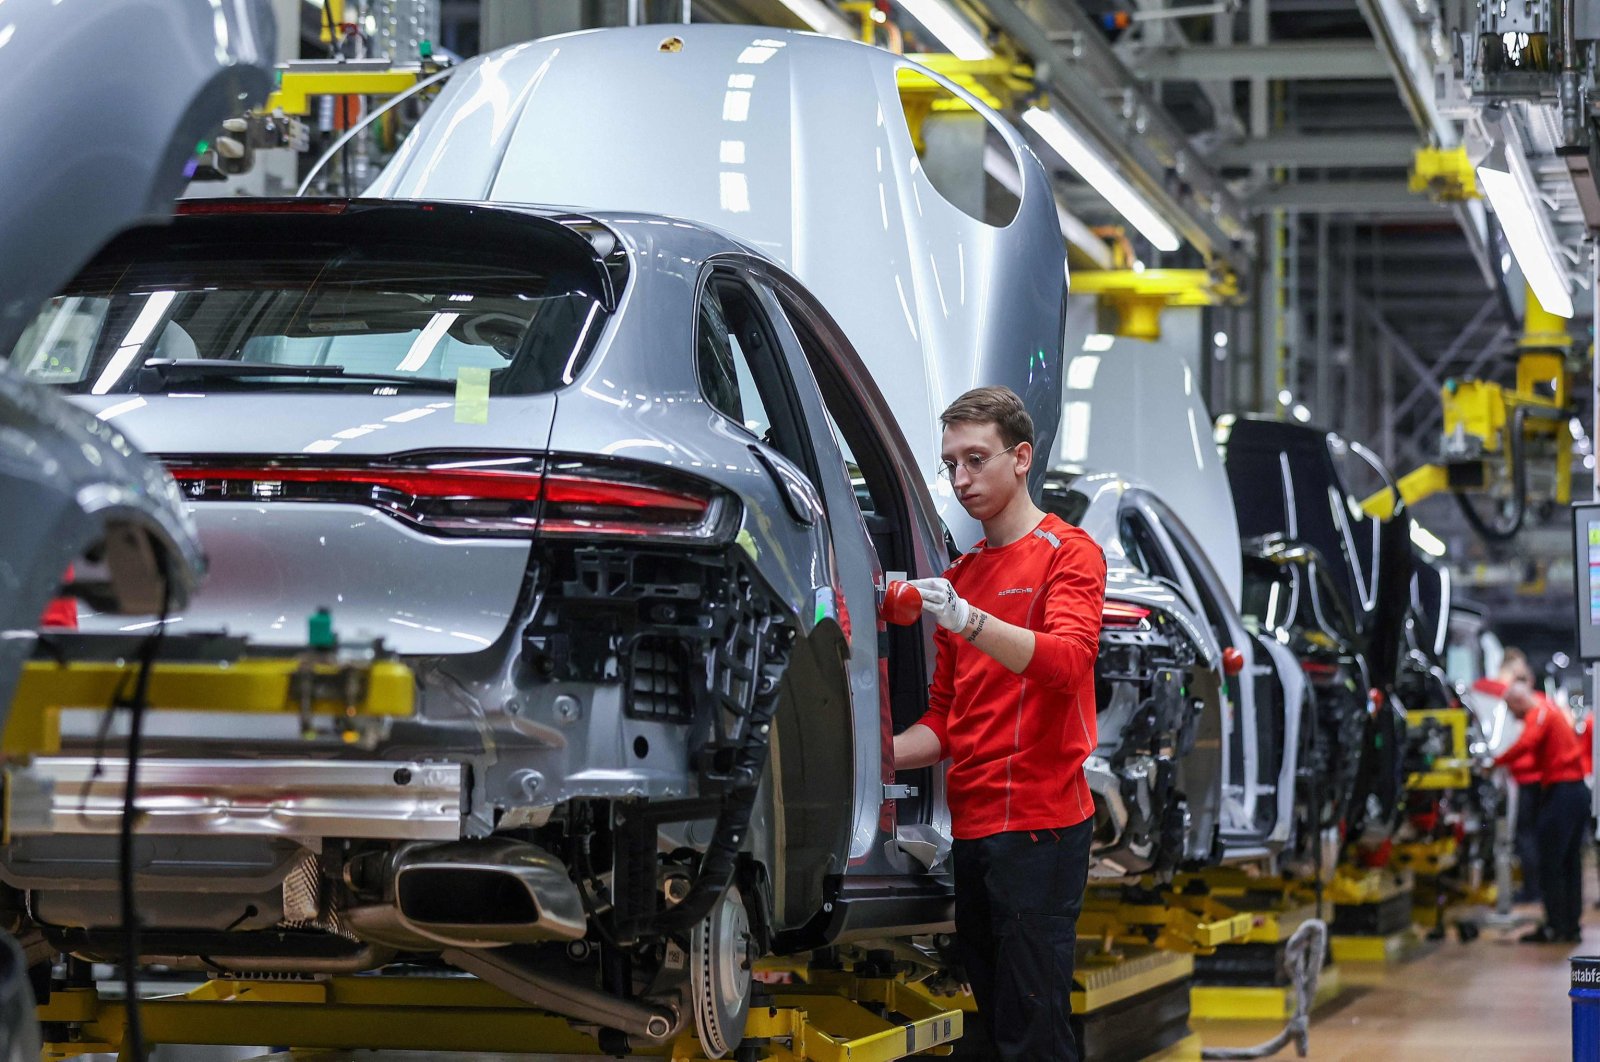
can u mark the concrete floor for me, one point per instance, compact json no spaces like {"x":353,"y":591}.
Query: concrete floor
{"x":1491,"y":999}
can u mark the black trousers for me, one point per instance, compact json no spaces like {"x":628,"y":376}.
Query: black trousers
{"x":1018,"y":895}
{"x":1527,"y":839}
{"x":1561,"y":825}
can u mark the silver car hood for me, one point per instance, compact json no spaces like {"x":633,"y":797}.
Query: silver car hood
{"x":797,"y":145}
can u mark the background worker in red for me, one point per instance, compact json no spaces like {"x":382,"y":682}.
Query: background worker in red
{"x":1549,"y":746}
{"x":1012,"y":706}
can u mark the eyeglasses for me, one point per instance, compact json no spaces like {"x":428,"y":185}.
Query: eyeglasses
{"x":973,"y":465}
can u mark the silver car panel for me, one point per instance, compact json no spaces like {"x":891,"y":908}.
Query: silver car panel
{"x":749,"y":129}
{"x":394,"y":800}
{"x":271,"y":570}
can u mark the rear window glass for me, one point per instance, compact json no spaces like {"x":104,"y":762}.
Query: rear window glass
{"x":385,"y":293}
{"x":1060,"y":499}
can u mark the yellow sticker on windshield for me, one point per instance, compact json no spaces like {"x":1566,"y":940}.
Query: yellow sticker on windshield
{"x":472,"y":395}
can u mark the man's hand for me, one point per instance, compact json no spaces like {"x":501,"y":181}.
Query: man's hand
{"x":939,"y":599}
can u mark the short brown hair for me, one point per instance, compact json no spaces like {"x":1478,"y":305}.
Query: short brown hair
{"x":1000,"y":406}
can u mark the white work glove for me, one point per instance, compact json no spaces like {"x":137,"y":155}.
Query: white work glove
{"x":939,"y":599}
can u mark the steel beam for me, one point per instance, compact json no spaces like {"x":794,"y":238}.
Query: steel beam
{"x":1348,"y":197}
{"x":1333,"y":151}
{"x":1279,"y":61}
{"x":1108,"y":104}
{"x":1402,"y":44}
{"x":1427,"y":384}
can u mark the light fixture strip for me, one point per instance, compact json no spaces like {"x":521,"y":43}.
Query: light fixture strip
{"x":1088,"y":163}
{"x":949,"y":28}
{"x":1514,"y":195}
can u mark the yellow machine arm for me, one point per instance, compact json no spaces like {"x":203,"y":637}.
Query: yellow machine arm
{"x":1488,"y":424}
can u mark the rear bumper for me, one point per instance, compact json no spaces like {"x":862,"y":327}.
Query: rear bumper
{"x":301,"y":798}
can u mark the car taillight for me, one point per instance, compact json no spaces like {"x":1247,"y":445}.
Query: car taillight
{"x":490,"y":495}
{"x":1121,"y":614}
{"x":1319,"y":672}
{"x":246,"y":205}
{"x":62,"y":612}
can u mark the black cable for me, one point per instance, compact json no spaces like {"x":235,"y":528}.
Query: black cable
{"x":133,"y":1038}
{"x":1519,"y":489}
{"x":333,"y":30}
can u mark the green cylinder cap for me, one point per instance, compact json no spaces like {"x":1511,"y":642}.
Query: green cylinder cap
{"x":319,"y":630}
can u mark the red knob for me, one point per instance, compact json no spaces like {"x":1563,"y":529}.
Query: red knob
{"x":1232,"y":661}
{"x":902,"y":604}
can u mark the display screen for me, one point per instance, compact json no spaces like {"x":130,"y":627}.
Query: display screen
{"x":1586,"y":574}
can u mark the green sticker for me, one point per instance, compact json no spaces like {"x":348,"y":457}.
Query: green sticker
{"x":472,"y":395}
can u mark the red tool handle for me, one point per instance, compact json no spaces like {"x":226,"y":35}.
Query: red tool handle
{"x":902,"y":604}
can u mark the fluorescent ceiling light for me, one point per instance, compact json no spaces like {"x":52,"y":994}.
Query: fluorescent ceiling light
{"x":948,"y":28}
{"x":1077,"y":153}
{"x":1002,"y":166}
{"x":820,"y":17}
{"x":1098,"y":342}
{"x":1529,"y":240}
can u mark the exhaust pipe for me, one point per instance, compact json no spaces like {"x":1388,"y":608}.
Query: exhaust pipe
{"x":481,"y":894}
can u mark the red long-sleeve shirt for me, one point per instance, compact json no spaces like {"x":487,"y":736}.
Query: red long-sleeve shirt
{"x":1017,"y":742}
{"x":1547,"y":748}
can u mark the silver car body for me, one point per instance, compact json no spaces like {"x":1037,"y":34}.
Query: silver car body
{"x":799,"y":146}
{"x":1262,"y":708}
{"x":519,"y":718}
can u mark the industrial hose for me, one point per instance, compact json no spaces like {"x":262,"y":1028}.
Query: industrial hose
{"x":1519,"y":478}
{"x":1519,"y":489}
{"x":1303,"y":956}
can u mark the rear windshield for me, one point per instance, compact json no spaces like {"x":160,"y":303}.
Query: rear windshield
{"x":1060,"y":499}
{"x":412,"y":293}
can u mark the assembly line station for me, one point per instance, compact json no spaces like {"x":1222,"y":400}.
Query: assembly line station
{"x":483,"y":440}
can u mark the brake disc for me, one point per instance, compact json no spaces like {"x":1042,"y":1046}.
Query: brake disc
{"x":719,"y":961}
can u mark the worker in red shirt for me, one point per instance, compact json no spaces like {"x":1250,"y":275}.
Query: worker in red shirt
{"x":1012,"y":707}
{"x":1549,"y":747}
